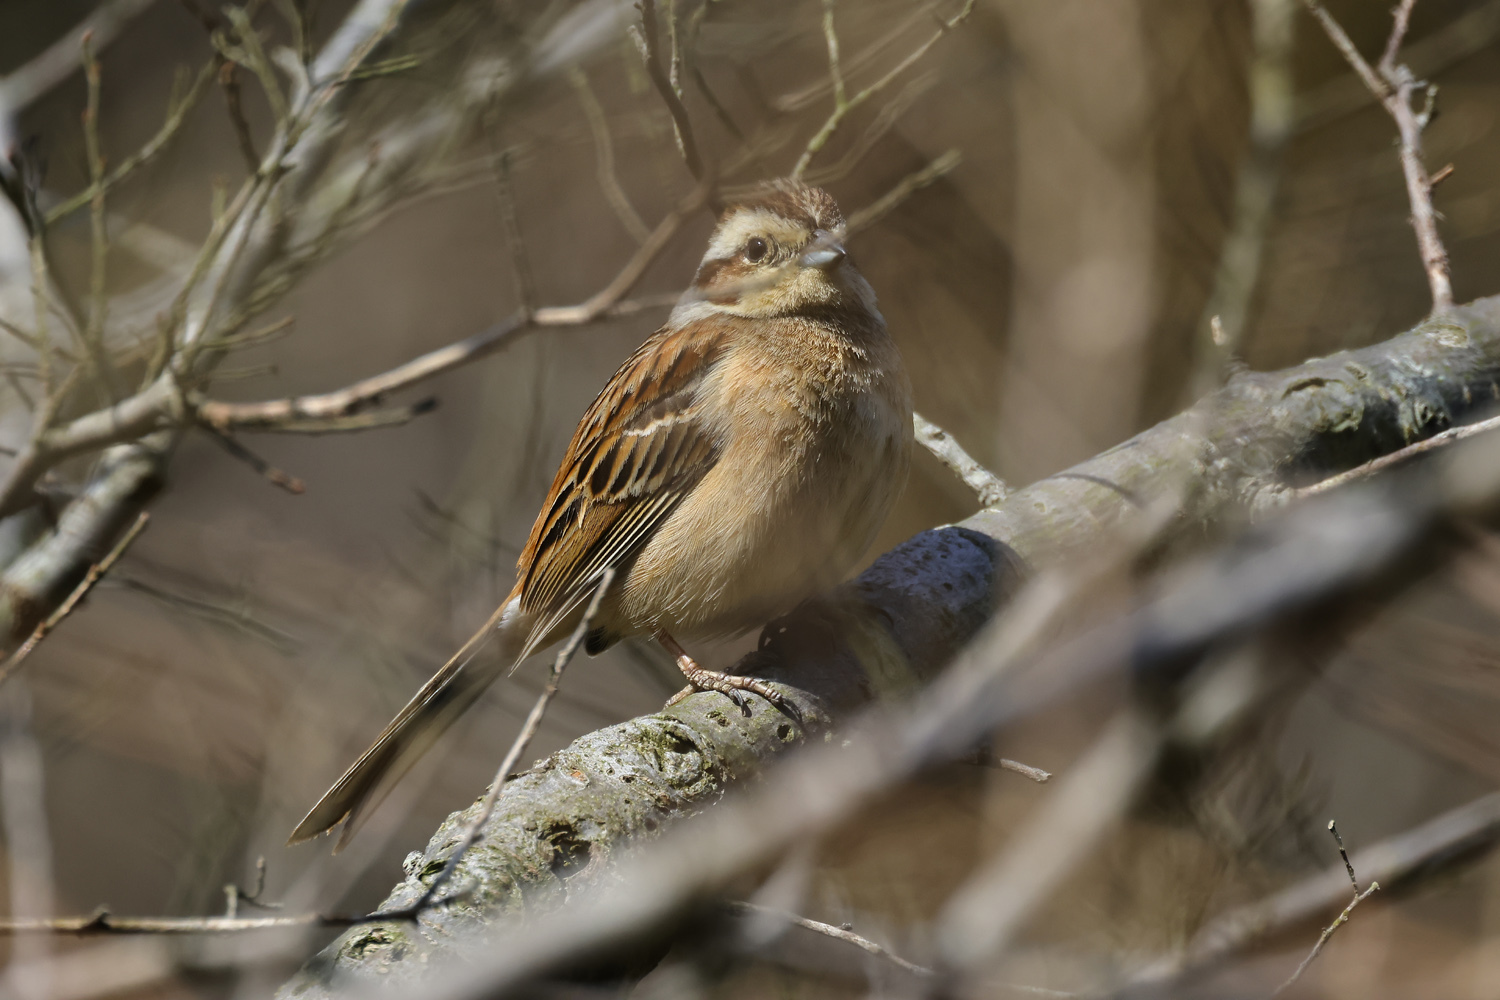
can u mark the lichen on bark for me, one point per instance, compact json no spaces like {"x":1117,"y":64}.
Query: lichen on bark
{"x":1235,"y":454}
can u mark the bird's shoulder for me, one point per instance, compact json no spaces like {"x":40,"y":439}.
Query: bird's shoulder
{"x":639,"y":448}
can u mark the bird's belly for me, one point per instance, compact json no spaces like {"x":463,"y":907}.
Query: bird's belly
{"x":724,"y":563}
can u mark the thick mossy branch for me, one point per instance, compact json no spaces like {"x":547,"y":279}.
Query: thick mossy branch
{"x":556,"y":826}
{"x":1237,"y":452}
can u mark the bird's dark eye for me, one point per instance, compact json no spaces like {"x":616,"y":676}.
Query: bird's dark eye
{"x":756,"y":249}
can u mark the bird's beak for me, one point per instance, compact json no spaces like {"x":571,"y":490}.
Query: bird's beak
{"x":823,"y":252}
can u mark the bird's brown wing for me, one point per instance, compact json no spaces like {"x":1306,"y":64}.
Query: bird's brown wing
{"x":641,"y":447}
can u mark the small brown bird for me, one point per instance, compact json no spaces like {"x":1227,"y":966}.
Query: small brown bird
{"x":740,"y":460}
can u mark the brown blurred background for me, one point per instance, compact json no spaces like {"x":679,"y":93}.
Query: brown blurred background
{"x":1048,"y":295}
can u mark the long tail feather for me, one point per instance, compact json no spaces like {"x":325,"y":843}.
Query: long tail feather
{"x":416,"y":727}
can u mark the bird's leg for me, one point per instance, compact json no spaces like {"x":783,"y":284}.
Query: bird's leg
{"x":702,"y":679}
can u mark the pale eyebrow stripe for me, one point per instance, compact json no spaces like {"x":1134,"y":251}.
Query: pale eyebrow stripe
{"x":746,"y":223}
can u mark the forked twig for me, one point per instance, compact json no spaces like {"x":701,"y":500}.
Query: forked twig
{"x":1395,"y":86}
{"x":842,"y":103}
{"x":329,"y":408}
{"x":234,"y":895}
{"x":681,"y":123}
{"x":1426,"y":849}
{"x":1342,"y":918}
{"x":177,"y":114}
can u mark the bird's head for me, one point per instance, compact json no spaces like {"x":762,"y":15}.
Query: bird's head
{"x":779,"y":251}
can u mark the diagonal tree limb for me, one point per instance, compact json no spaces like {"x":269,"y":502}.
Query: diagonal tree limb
{"x":1242,"y":450}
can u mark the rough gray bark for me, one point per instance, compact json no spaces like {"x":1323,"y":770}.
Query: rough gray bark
{"x":1237,"y":452}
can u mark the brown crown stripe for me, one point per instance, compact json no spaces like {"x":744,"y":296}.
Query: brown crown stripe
{"x":794,"y":201}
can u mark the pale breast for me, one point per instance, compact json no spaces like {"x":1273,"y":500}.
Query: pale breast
{"x":816,"y":451}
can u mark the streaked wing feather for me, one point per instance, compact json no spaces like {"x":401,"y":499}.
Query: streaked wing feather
{"x":626,"y":535}
{"x":638,"y":451}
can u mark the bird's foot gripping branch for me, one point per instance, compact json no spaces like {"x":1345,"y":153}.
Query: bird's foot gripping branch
{"x":565,"y":822}
{"x":1242,"y":451}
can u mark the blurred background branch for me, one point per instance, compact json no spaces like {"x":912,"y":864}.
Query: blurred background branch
{"x":579,"y":806}
{"x":1054,"y":204}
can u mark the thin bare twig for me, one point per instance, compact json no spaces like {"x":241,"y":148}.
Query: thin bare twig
{"x":1400,"y":22}
{"x":990,"y":488}
{"x":842,"y":104}
{"x":254,"y":338}
{"x":1359,"y":897}
{"x":234,"y":895}
{"x":1395,"y":86}
{"x":1461,"y":833}
{"x":59,"y":60}
{"x":986,"y":757}
{"x":1026,"y":770}
{"x":829,"y":930}
{"x":523,"y":739}
{"x":103,"y":922}
{"x":276,"y":476}
{"x":177,"y":114}
{"x":93,"y":330}
{"x":352,"y":399}
{"x":223,"y":614}
{"x":1272,"y":122}
{"x":720,"y":112}
{"x":252,"y":54}
{"x":681,"y":123}
{"x":95,"y":572}
{"x":604,"y":155}
{"x":42,"y":305}
{"x":1400,"y":457}
{"x":233,"y":103}
{"x":510,"y":221}
{"x":904,"y":189}
{"x":884,"y":121}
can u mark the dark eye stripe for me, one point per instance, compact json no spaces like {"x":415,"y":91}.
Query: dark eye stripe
{"x":722,"y":270}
